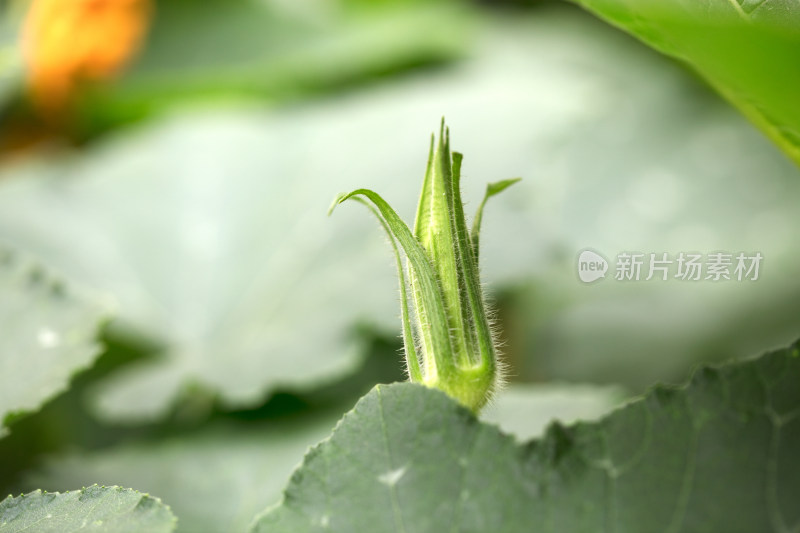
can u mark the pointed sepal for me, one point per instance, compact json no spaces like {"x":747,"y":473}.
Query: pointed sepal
{"x":448,"y":339}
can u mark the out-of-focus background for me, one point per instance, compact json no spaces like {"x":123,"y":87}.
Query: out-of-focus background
{"x":173,"y":161}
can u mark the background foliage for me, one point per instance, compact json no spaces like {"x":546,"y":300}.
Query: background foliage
{"x":174,"y":214}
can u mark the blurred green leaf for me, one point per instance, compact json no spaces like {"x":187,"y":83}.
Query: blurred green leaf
{"x":9,"y":74}
{"x":210,"y":230}
{"x":10,"y":55}
{"x":222,"y":50}
{"x":210,"y":249}
{"x":408,"y":458}
{"x":98,"y":509}
{"x":525,"y":410}
{"x":748,"y":50}
{"x":213,"y":480}
{"x":47,"y":333}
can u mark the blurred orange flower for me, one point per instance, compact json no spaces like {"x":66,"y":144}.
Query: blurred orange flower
{"x":71,"y":41}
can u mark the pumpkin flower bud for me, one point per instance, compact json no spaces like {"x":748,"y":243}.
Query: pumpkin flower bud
{"x":448,"y":339}
{"x":67,"y":42}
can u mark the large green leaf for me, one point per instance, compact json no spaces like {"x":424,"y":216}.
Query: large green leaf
{"x":98,"y":509}
{"x":245,"y":468}
{"x":47,"y":333}
{"x":719,"y":454}
{"x":748,"y":50}
{"x":210,"y":228}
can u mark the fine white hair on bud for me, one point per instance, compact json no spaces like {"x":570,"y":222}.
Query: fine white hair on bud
{"x":449,"y":337}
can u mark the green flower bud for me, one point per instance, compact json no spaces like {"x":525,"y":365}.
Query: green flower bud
{"x":448,"y":338}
